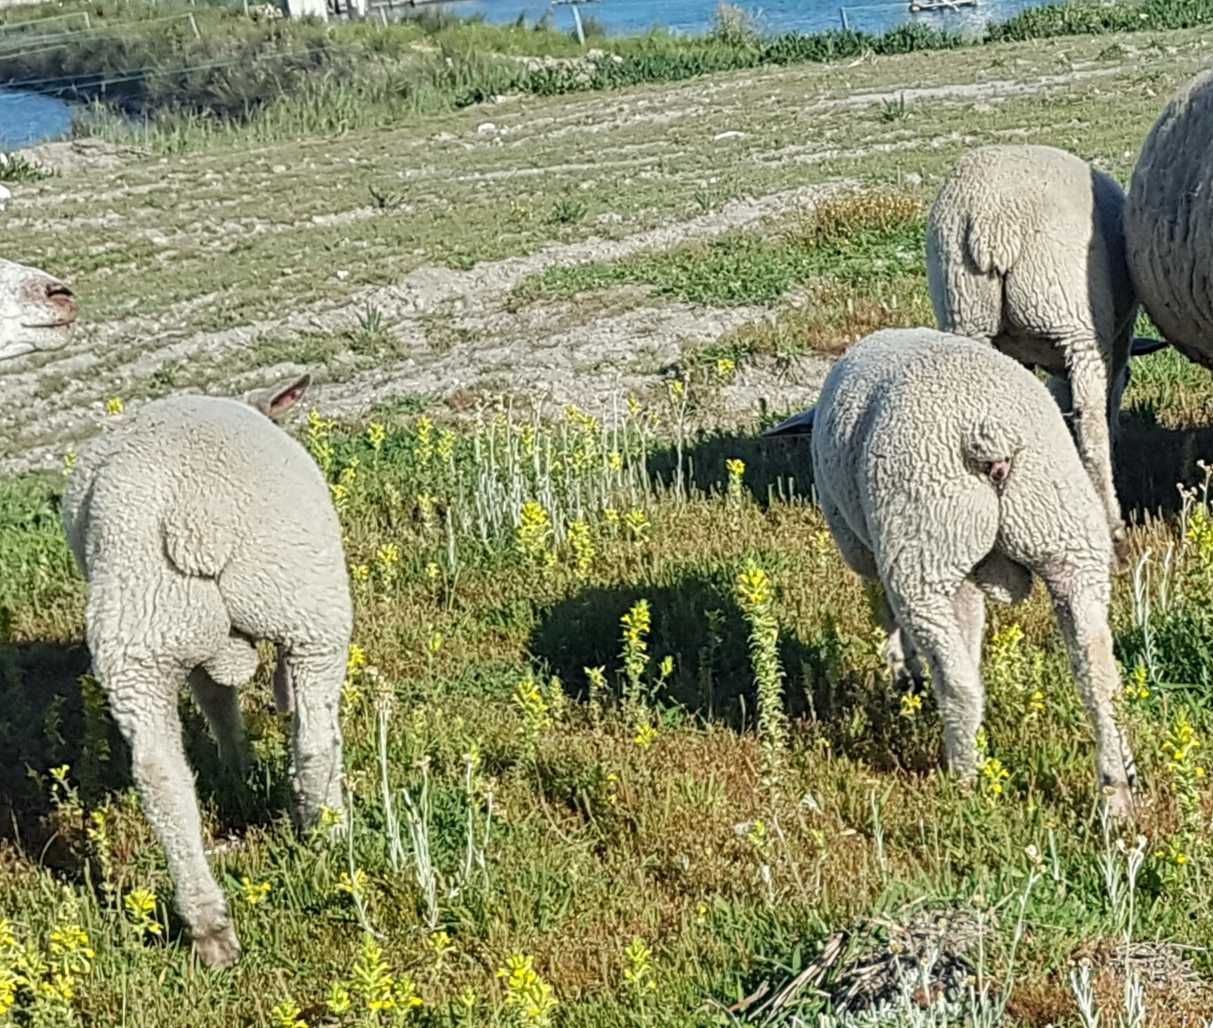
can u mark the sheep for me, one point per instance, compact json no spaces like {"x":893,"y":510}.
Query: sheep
{"x":946,"y":474}
{"x":1168,"y":228}
{"x":202,"y":528}
{"x":37,"y":311}
{"x":1025,"y":250}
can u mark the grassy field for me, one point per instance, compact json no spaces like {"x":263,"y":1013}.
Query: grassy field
{"x":619,"y":739}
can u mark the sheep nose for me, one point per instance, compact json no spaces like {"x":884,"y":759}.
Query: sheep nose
{"x":62,"y":299}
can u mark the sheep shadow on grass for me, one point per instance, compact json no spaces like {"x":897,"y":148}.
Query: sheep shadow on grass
{"x":45,"y":724}
{"x":697,"y":622}
{"x":777,"y":467}
{"x":1152,"y":460}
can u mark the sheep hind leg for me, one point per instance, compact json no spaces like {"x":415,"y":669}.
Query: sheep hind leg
{"x":143,"y":698}
{"x":1083,"y":618}
{"x":970,"y":606}
{"x":1089,"y":387}
{"x":947,"y":643}
{"x":312,"y":681}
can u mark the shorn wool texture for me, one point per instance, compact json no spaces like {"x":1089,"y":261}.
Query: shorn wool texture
{"x":1169,"y":221}
{"x":1026,"y":251}
{"x":202,"y":527}
{"x":946,"y":474}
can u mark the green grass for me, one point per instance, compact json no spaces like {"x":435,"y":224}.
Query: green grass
{"x":853,"y":241}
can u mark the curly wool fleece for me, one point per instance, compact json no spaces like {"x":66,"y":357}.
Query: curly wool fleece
{"x":201,"y":528}
{"x":946,"y":473}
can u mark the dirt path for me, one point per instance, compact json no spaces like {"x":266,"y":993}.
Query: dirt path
{"x":560,"y":353}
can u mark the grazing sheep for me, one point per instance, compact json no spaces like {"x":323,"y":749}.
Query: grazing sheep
{"x":945,"y":471}
{"x":36,"y":310}
{"x":1168,"y":222}
{"x":1025,"y":250}
{"x":202,"y":528}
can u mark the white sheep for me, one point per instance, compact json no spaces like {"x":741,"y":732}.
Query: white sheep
{"x":1168,"y":227}
{"x":202,"y":528}
{"x":1025,"y":250}
{"x":945,"y":471}
{"x":37,"y":310}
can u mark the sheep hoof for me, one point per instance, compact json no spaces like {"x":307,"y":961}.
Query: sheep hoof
{"x":218,"y":947}
{"x":1118,"y":800}
{"x":1120,"y":546}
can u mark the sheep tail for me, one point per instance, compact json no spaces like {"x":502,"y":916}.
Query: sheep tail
{"x":993,"y":241}
{"x":798,"y":424}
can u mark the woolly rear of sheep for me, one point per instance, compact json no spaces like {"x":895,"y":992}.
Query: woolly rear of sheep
{"x":202,"y":528}
{"x":946,"y":474}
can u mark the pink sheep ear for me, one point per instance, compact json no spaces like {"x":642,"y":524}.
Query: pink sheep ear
{"x":275,"y":402}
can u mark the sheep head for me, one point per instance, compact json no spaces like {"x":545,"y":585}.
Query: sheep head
{"x":275,"y":401}
{"x":37,"y":310}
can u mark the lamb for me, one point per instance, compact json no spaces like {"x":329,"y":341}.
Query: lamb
{"x":37,"y":311}
{"x":1168,"y":228}
{"x":1025,"y":250}
{"x":202,"y":528}
{"x":946,"y":474}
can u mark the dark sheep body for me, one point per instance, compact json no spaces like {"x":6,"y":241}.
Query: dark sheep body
{"x":1169,"y":221}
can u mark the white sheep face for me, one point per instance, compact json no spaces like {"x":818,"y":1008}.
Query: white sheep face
{"x":37,"y":310}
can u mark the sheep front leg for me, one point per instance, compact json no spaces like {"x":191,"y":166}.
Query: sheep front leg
{"x":312,"y":680}
{"x":221,"y":706}
{"x":955,"y":675}
{"x":1082,"y":614}
{"x":900,"y":654}
{"x":143,"y":698}
{"x":1089,"y":387}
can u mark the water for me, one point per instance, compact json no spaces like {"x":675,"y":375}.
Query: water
{"x":28,"y":118}
{"x":621,"y":17}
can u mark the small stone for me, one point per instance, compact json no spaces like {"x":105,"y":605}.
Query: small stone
{"x":730,"y":134}
{"x":486,"y":128}
{"x":279,"y":169}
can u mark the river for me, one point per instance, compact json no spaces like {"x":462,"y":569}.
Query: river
{"x":27,"y":118}
{"x":695,"y":16}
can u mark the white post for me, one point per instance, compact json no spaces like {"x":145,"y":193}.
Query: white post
{"x":577,"y":22}
{"x":302,"y":8}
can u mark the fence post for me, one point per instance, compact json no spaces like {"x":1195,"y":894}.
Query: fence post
{"x":842,"y":13}
{"x":577,"y":22}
